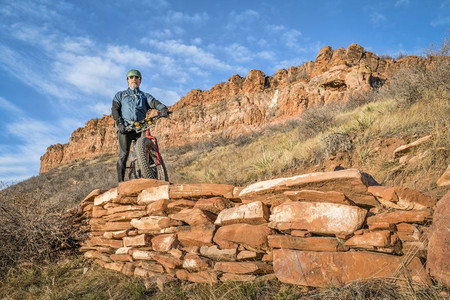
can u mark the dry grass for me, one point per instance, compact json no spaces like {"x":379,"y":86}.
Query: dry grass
{"x":77,"y":278}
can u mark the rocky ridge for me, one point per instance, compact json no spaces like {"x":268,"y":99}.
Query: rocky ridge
{"x":244,"y":104}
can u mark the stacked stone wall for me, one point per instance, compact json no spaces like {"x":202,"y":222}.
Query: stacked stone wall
{"x":315,"y":229}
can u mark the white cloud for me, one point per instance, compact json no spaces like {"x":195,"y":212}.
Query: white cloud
{"x":101,"y":108}
{"x":377,"y":18}
{"x":8,"y":106}
{"x":239,"y":53}
{"x":181,"y":17}
{"x":267,"y":55}
{"x":245,"y":16}
{"x":190,"y":54}
{"x":401,"y":3}
{"x":88,"y":74}
{"x":440,"y":21}
{"x":275,"y":28}
{"x":23,"y":160}
{"x":290,"y":38}
{"x":165,"y":96}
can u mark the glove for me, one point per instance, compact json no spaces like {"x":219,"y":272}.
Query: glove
{"x":122,"y":128}
{"x":164,"y":112}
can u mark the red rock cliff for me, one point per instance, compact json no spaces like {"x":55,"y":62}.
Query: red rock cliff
{"x":243,"y":104}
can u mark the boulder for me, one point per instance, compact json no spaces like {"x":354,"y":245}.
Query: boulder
{"x":438,"y":262}
{"x":317,"y":217}
{"x":323,"y":269}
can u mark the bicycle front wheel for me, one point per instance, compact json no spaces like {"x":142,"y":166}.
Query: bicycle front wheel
{"x":147,"y":160}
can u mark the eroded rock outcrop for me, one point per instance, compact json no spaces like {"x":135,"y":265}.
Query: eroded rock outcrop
{"x":207,"y":233}
{"x":243,"y":104}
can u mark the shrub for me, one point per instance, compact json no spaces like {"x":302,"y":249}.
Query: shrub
{"x":32,"y":232}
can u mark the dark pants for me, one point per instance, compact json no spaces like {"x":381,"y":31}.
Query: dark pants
{"x":124,"y":151}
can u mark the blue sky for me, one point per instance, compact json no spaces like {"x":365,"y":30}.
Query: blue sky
{"x":61,"y":62}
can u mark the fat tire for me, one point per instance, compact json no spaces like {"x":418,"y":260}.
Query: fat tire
{"x":147,"y":160}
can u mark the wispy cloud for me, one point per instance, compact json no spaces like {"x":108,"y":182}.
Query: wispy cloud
{"x":291,"y":38}
{"x":378,"y":18}
{"x":191,"y":54}
{"x":239,"y":53}
{"x":181,"y":17}
{"x":402,"y":3}
{"x":8,"y":106}
{"x":440,"y":21}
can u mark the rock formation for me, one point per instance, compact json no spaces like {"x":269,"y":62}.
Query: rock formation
{"x":316,"y":229}
{"x":244,"y":104}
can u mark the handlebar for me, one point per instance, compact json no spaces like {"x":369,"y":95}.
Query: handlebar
{"x":145,"y":124}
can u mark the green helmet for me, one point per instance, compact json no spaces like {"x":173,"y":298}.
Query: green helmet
{"x":134,"y":72}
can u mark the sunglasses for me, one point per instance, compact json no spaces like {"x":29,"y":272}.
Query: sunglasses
{"x":131,"y":77}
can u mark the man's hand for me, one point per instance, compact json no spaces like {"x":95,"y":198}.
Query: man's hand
{"x":164,"y":112}
{"x":122,"y":129}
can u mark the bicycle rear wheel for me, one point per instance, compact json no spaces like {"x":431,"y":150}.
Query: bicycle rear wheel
{"x":147,"y":160}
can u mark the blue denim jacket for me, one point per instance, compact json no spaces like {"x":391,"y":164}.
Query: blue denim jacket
{"x":132,"y":105}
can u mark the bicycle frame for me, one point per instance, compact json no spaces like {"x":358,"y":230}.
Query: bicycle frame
{"x":155,"y":141}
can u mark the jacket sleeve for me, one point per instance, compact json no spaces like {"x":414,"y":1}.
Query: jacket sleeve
{"x":154,"y":103}
{"x":115,"y":110}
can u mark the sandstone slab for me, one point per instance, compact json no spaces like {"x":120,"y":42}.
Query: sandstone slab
{"x":164,"y":242}
{"x":401,"y":198}
{"x":438,"y":262}
{"x":153,"y":223}
{"x":168,"y":261}
{"x":319,"y":196}
{"x":321,"y":269}
{"x":153,"y":194}
{"x":112,"y":226}
{"x":179,"y":191}
{"x":253,"y":237}
{"x":158,"y":208}
{"x":214,"y":205}
{"x":401,"y":216}
{"x":217,"y":254}
{"x":253,"y":267}
{"x":196,"y":236}
{"x":125,"y":216}
{"x":124,"y":208}
{"x":318,"y":217}
{"x":408,"y":147}
{"x":305,"y":243}
{"x":143,"y":255}
{"x":195,"y":262}
{"x":194,"y":217}
{"x":205,"y":276}
{"x":370,"y":239}
{"x":351,"y":182}
{"x":143,"y":240}
{"x":237,"y":277}
{"x":106,"y":197}
{"x":136,"y":186}
{"x":251,"y":213}
{"x":91,"y":197}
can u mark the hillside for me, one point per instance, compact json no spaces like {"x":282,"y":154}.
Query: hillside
{"x":365,"y":132}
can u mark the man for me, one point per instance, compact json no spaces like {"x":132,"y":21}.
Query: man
{"x":127,"y":107}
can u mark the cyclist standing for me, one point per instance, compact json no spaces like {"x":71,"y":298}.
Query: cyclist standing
{"x":129,"y":106}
